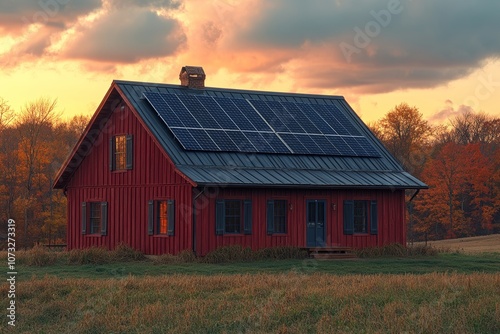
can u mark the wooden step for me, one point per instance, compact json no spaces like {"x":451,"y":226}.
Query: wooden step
{"x":325,"y":256}
{"x":326,"y":253}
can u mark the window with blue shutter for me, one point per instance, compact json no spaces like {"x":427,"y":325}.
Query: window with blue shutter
{"x":171,"y":217}
{"x":161,"y":217}
{"x":270,"y":217}
{"x":348,"y":217}
{"x":247,"y":214}
{"x":121,"y":150}
{"x":360,"y":217}
{"x":84,"y":218}
{"x":220,"y":209}
{"x":95,"y":218}
{"x":104,"y":218}
{"x":233,"y":217}
{"x":373,"y":217}
{"x":276,"y":216}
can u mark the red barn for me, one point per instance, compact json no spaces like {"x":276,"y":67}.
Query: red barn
{"x":165,"y":168}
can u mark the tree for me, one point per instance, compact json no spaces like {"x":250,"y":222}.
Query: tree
{"x":458,"y":179}
{"x":406,"y":135}
{"x":34,"y":125}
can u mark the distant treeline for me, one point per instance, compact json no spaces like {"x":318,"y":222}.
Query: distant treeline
{"x":459,"y":161}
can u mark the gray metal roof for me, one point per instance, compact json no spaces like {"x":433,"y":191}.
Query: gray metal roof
{"x":270,"y":170}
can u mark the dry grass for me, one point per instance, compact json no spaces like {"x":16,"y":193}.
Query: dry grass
{"x":396,"y":250}
{"x":472,"y":245}
{"x":285,"y":303}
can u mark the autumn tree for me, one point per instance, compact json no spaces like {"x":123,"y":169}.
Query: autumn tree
{"x":7,"y":163}
{"x":34,"y":125}
{"x":458,"y":194}
{"x":406,"y":135}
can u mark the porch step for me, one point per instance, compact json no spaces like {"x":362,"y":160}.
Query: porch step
{"x":327,"y":253}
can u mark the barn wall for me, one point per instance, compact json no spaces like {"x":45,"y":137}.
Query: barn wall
{"x":127,"y":192}
{"x":391,"y":220}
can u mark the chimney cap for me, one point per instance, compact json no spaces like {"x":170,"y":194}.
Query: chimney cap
{"x":192,"y":76}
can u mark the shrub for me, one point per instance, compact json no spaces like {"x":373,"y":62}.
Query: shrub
{"x":237,"y":253}
{"x":281,"y":253}
{"x":231,"y":253}
{"x":39,"y":256}
{"x":125,"y":253}
{"x":93,"y":255}
{"x":187,"y":256}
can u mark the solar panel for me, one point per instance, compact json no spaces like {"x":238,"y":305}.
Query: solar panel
{"x":206,"y":123}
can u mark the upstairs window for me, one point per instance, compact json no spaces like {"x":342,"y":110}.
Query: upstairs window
{"x":277,"y":216}
{"x":233,"y":217}
{"x":121,"y":152}
{"x":360,"y":217}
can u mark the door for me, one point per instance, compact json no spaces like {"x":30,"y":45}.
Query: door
{"x":316,"y":223}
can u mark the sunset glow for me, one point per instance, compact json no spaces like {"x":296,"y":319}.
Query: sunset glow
{"x":439,"y":56}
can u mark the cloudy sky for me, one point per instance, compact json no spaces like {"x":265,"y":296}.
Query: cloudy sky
{"x":441,"y":56}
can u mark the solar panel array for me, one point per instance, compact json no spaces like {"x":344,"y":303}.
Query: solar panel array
{"x":210,"y":123}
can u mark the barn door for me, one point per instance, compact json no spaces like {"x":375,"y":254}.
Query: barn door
{"x":316,"y":223}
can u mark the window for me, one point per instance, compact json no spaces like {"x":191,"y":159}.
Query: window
{"x":121,"y":152}
{"x":94,"y":218}
{"x":233,"y":217}
{"x":161,"y":217}
{"x":360,"y":217}
{"x":276,"y":216}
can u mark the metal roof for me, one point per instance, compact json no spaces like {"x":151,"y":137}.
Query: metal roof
{"x":244,"y":169}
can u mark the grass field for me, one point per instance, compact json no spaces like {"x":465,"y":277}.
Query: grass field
{"x":452,"y":292}
{"x":488,"y":243}
{"x":262,"y":303}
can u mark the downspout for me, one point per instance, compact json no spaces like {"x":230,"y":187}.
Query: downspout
{"x":193,"y":241}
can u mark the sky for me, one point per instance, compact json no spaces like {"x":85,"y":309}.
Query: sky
{"x":440,"y":56}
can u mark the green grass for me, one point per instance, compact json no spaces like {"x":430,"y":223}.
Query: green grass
{"x":442,"y":263}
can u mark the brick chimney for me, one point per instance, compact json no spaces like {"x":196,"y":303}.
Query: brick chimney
{"x":192,"y":77}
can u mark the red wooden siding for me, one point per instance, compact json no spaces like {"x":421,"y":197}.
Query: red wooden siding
{"x":127,"y":192}
{"x":391,"y":220}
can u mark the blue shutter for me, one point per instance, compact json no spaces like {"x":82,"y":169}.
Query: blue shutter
{"x":151,"y":217}
{"x":104,"y":218}
{"x":247,"y":220}
{"x":112,"y":149}
{"x":84,"y":218}
{"x":130,"y":151}
{"x":348,"y":217}
{"x":220,"y":217}
{"x":270,"y":217}
{"x":373,"y":218}
{"x":171,"y":217}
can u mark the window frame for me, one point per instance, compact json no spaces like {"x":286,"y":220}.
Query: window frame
{"x":271,"y":216}
{"x":370,"y":215}
{"x":155,"y":216}
{"x":92,"y":211}
{"x":245,"y":217}
{"x":121,"y":158}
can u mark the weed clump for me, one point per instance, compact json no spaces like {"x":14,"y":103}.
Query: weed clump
{"x":39,"y":256}
{"x":396,"y":250}
{"x":93,"y":255}
{"x":237,"y":253}
{"x":125,"y":253}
